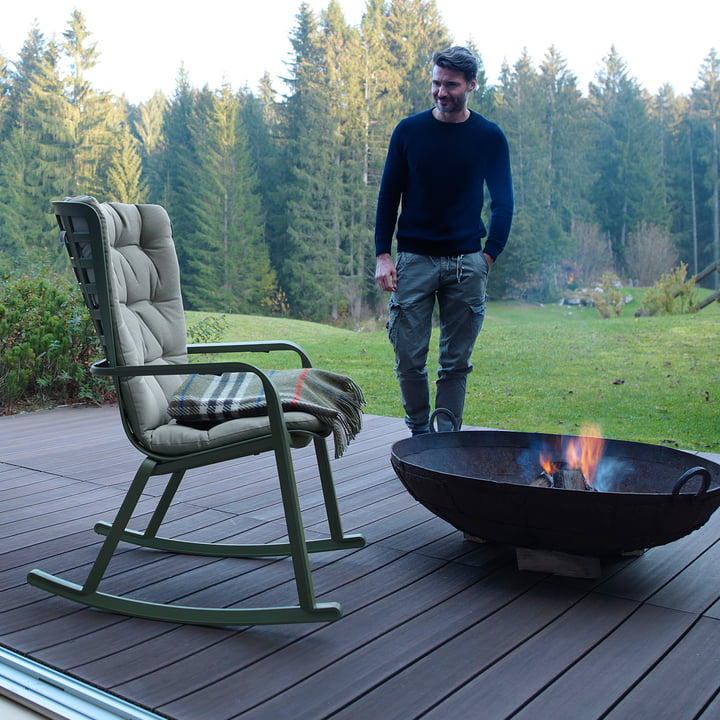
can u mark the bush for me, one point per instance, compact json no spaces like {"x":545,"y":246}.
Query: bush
{"x":47,"y":342}
{"x":650,"y":253}
{"x":609,"y":297}
{"x":671,"y":294}
{"x":208,"y":329}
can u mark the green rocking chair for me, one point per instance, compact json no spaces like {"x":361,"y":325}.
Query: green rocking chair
{"x":124,"y":259}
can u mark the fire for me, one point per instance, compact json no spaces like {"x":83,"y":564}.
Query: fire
{"x":546,"y":462}
{"x":584,"y":453}
{"x":581,"y":453}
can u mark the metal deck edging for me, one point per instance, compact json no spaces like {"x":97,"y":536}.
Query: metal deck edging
{"x":59,"y":696}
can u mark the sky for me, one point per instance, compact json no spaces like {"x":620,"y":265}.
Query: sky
{"x":143,"y":43}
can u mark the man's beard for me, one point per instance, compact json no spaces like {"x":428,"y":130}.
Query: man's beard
{"x":451,"y":106}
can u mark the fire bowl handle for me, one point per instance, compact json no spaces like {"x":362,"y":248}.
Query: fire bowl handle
{"x":706,"y":478}
{"x":449,"y":413}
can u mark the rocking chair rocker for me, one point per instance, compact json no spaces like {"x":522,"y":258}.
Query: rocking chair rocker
{"x":124,"y":259}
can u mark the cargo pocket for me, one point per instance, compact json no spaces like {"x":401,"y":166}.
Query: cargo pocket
{"x":394,"y":312}
{"x":477,"y":317}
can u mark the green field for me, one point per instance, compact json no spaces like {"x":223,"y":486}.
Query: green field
{"x":549,"y":369}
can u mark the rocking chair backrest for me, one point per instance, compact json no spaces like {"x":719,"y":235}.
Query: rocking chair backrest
{"x":124,"y":258}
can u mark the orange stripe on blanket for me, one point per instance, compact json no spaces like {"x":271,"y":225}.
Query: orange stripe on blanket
{"x":298,"y":389}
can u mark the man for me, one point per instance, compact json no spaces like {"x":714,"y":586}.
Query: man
{"x":438,"y":164}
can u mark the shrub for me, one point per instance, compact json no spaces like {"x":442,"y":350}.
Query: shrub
{"x":670,"y":295}
{"x":609,"y":297}
{"x":207,"y":329}
{"x":591,"y":256}
{"x":46,"y":342}
{"x":650,"y":252}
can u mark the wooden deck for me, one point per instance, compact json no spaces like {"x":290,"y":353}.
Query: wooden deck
{"x":434,"y":626}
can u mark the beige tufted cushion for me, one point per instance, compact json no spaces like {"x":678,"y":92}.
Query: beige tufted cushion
{"x":146,"y":305}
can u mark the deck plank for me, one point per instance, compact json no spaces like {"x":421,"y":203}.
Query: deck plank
{"x":433,"y":625}
{"x":464,"y":682}
{"x":475,"y":619}
{"x":684,"y":680}
{"x":604,"y":674}
{"x":384,"y":619}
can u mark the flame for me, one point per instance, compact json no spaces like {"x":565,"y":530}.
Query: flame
{"x":584,"y":453}
{"x":581,"y":453}
{"x":546,"y":462}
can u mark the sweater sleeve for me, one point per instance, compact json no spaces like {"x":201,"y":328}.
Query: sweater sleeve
{"x":499,"y":184}
{"x":391,"y":188}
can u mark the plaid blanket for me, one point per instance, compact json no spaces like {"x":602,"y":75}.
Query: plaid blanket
{"x":333,"y":399}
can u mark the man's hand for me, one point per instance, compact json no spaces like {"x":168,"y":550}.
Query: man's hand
{"x":490,"y":261}
{"x":385,"y":273}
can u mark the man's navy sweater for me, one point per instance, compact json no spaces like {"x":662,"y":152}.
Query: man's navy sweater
{"x":436,"y":172}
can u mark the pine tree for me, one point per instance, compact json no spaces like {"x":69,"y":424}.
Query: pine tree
{"x":33,"y":151}
{"x":30,"y":63}
{"x":4,"y":90}
{"x":344,"y":89}
{"x":626,"y":158}
{"x":669,"y":114}
{"x":95,"y":122}
{"x":415,"y":31}
{"x":229,"y":266}
{"x":309,"y":273}
{"x":261,"y":118}
{"x":174,"y":184}
{"x":13,"y":199}
{"x":148,"y":125}
{"x":565,"y":121}
{"x":124,"y":178}
{"x":482,"y":99}
{"x":520,"y":103}
{"x":384,"y":105}
{"x":382,"y":109}
{"x":706,"y":113}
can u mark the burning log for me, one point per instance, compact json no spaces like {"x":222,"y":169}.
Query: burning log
{"x":562,"y":477}
{"x":570,"y":480}
{"x":543,"y":480}
{"x":576,"y":470}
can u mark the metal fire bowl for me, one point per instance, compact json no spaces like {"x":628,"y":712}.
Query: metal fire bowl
{"x":479,"y":482}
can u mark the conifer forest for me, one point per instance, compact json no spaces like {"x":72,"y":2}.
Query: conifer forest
{"x":272,"y":191}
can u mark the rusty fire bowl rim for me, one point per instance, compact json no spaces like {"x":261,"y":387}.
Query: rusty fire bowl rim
{"x":597,"y":523}
{"x":525,"y":439}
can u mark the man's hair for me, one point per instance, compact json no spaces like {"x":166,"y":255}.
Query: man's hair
{"x":457,"y":58}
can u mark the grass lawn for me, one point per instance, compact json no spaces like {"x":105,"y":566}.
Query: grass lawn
{"x":549,"y":369}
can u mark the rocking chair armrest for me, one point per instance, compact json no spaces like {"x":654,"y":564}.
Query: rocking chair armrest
{"x":265,"y":346}
{"x":103,"y":369}
{"x":273,"y":403}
